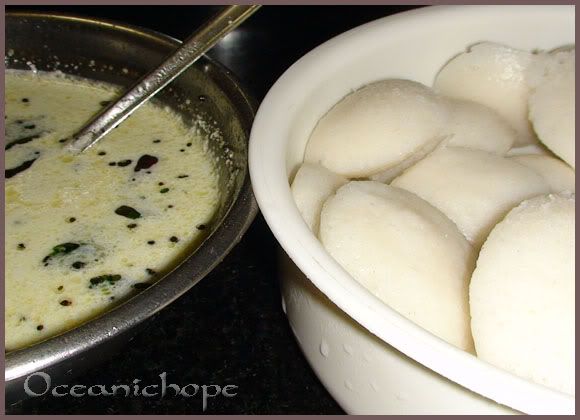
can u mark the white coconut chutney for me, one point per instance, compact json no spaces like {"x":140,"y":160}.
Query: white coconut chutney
{"x":84,"y":232}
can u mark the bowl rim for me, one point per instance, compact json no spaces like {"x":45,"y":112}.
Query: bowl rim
{"x":117,"y":321}
{"x":267,"y":161}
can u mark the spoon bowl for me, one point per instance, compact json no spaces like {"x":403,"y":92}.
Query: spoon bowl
{"x":150,"y":84}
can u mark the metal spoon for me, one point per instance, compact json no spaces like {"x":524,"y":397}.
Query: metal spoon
{"x":193,"y":48}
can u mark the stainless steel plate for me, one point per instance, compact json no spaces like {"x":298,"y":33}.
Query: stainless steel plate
{"x":120,"y":54}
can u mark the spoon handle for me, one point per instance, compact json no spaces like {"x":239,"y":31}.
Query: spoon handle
{"x":191,"y":49}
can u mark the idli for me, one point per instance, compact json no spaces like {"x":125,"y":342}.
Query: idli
{"x":552,"y":107}
{"x":522,"y":293}
{"x":377,"y":127}
{"x":558,"y":175}
{"x":473,"y":188}
{"x":404,"y":251}
{"x":493,"y":75}
{"x":312,"y":185}
{"x":479,"y":127}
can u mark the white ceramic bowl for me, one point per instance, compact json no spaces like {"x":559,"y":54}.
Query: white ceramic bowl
{"x":342,"y":328}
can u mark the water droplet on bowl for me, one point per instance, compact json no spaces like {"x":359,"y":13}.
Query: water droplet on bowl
{"x":347,"y":349}
{"x":401,"y":396}
{"x":348,"y":385}
{"x":324,"y":349}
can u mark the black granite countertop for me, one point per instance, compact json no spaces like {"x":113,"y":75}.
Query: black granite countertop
{"x":230,"y":328}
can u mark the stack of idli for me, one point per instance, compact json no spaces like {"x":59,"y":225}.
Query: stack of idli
{"x":455,"y":204}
